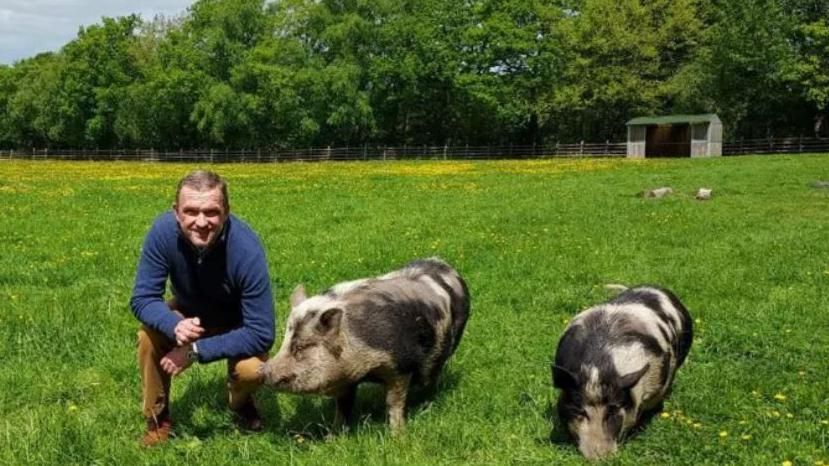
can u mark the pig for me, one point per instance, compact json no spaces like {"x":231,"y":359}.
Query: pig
{"x":616,"y":362}
{"x":397,"y":330}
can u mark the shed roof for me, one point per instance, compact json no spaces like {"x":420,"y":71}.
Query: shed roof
{"x":674,"y":119}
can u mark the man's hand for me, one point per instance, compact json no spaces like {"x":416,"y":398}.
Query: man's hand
{"x":175,"y":362}
{"x":188,"y":331}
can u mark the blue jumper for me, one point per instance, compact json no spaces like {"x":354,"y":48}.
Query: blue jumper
{"x":225,"y":286}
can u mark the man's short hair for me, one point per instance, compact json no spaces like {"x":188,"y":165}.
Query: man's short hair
{"x":204,"y":180}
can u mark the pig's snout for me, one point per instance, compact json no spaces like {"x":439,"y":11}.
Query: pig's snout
{"x":597,"y":451}
{"x":284,"y":379}
{"x":275,"y":374}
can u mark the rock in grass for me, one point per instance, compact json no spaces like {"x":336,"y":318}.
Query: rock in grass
{"x":821,"y":184}
{"x":657,"y":193}
{"x":703,"y":194}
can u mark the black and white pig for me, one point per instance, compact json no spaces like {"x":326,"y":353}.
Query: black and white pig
{"x":397,"y":329}
{"x":615,"y":362}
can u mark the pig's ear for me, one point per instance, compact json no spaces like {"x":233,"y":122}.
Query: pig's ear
{"x":562,"y":378}
{"x":298,"y":295}
{"x":329,"y":321}
{"x":629,"y":380}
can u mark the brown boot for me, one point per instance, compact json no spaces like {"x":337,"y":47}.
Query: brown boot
{"x":158,"y":431}
{"x":247,"y":417}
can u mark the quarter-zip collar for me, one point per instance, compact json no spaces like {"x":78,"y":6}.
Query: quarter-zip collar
{"x":202,"y":253}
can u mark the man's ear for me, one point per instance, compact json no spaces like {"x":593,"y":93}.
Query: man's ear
{"x":298,"y":295}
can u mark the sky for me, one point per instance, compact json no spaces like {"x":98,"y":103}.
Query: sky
{"x":29,"y":27}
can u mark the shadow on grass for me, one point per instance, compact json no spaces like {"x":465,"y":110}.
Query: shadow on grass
{"x":313,"y":417}
{"x":558,"y":435}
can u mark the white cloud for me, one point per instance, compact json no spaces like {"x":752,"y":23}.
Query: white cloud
{"x":28,"y":27}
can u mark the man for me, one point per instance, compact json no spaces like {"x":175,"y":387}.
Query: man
{"x":221,"y":306}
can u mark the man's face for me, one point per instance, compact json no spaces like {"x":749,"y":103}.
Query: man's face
{"x":200,"y":215}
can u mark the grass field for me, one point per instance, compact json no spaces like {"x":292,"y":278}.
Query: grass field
{"x":535,"y":240}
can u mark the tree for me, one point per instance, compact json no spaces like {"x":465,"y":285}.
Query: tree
{"x":619,"y":60}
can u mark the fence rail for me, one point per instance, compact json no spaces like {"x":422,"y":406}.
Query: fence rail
{"x":792,"y":145}
{"x":373,"y":152}
{"x":606,"y":149}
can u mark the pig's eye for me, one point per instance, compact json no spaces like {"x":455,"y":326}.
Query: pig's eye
{"x":582,"y":414}
{"x":612,"y":410}
{"x":302,"y":347}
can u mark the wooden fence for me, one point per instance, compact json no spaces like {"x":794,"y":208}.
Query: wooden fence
{"x":796,"y":145}
{"x":606,"y":149}
{"x":374,"y":152}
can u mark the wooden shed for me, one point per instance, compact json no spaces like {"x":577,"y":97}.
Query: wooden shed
{"x":675,"y":136}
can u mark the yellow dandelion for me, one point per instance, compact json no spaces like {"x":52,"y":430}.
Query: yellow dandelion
{"x":789,"y":415}
{"x":819,"y":463}
{"x":775,"y":413}
{"x":801,"y":373}
{"x":787,"y":463}
{"x":780,"y":397}
{"x":698,"y":321}
{"x":723,"y":434}
{"x":825,"y":422}
{"x":697,"y":425}
{"x":665,"y":415}
{"x":743,"y":422}
{"x":755,"y":393}
{"x":746,"y":436}
{"x":72,"y":408}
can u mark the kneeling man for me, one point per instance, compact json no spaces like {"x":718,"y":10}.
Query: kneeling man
{"x":221,"y":306}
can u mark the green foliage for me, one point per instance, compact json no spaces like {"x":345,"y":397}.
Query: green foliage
{"x":251,"y":73}
{"x":536,"y":242}
{"x":620,"y":60}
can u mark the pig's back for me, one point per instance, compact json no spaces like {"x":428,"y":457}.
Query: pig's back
{"x":402,"y":317}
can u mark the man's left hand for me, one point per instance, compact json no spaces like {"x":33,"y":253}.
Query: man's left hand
{"x":175,"y":362}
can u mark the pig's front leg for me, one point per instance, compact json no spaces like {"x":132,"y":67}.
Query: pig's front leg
{"x":344,"y":405}
{"x":396,"y":391}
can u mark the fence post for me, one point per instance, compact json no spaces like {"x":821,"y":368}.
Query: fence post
{"x":800,"y":145}
{"x":445,"y":149}
{"x":211,"y":155}
{"x":581,"y":148}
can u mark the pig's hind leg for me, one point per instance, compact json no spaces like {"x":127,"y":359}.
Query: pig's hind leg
{"x":397,"y":387}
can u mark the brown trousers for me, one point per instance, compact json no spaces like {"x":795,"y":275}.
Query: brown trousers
{"x":242,"y":376}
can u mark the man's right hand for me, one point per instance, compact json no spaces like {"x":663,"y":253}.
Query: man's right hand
{"x":188,"y":331}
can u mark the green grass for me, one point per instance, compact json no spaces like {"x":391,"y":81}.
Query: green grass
{"x":536,"y":242}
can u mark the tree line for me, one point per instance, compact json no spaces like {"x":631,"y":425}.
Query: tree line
{"x":298,"y":73}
